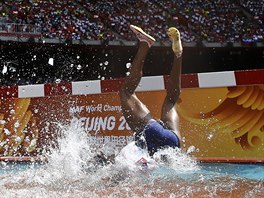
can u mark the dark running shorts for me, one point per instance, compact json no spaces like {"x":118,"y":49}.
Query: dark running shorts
{"x":158,"y":137}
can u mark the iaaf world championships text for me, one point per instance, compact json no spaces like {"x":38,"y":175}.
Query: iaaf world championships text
{"x":94,"y":108}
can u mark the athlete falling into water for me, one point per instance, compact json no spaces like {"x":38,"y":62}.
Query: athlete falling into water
{"x":150,"y":134}
{"x":154,"y":134}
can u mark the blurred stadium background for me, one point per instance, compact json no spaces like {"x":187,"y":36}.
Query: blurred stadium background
{"x":55,"y":41}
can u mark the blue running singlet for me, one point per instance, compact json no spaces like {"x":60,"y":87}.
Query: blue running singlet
{"x":158,"y":137}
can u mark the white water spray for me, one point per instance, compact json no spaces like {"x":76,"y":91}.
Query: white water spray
{"x":72,"y":171}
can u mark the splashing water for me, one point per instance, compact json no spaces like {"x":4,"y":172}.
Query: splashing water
{"x":176,"y":160}
{"x":73,"y":171}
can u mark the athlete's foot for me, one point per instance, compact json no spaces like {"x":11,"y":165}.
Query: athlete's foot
{"x":174,"y":35}
{"x":142,"y":36}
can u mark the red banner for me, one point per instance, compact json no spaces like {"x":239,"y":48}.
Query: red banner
{"x":225,"y":122}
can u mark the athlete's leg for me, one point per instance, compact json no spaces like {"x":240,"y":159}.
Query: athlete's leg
{"x":168,"y":114}
{"x":136,"y":113}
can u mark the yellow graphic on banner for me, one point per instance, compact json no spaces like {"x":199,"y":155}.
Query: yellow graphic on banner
{"x":18,"y":129}
{"x":233,"y":113}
